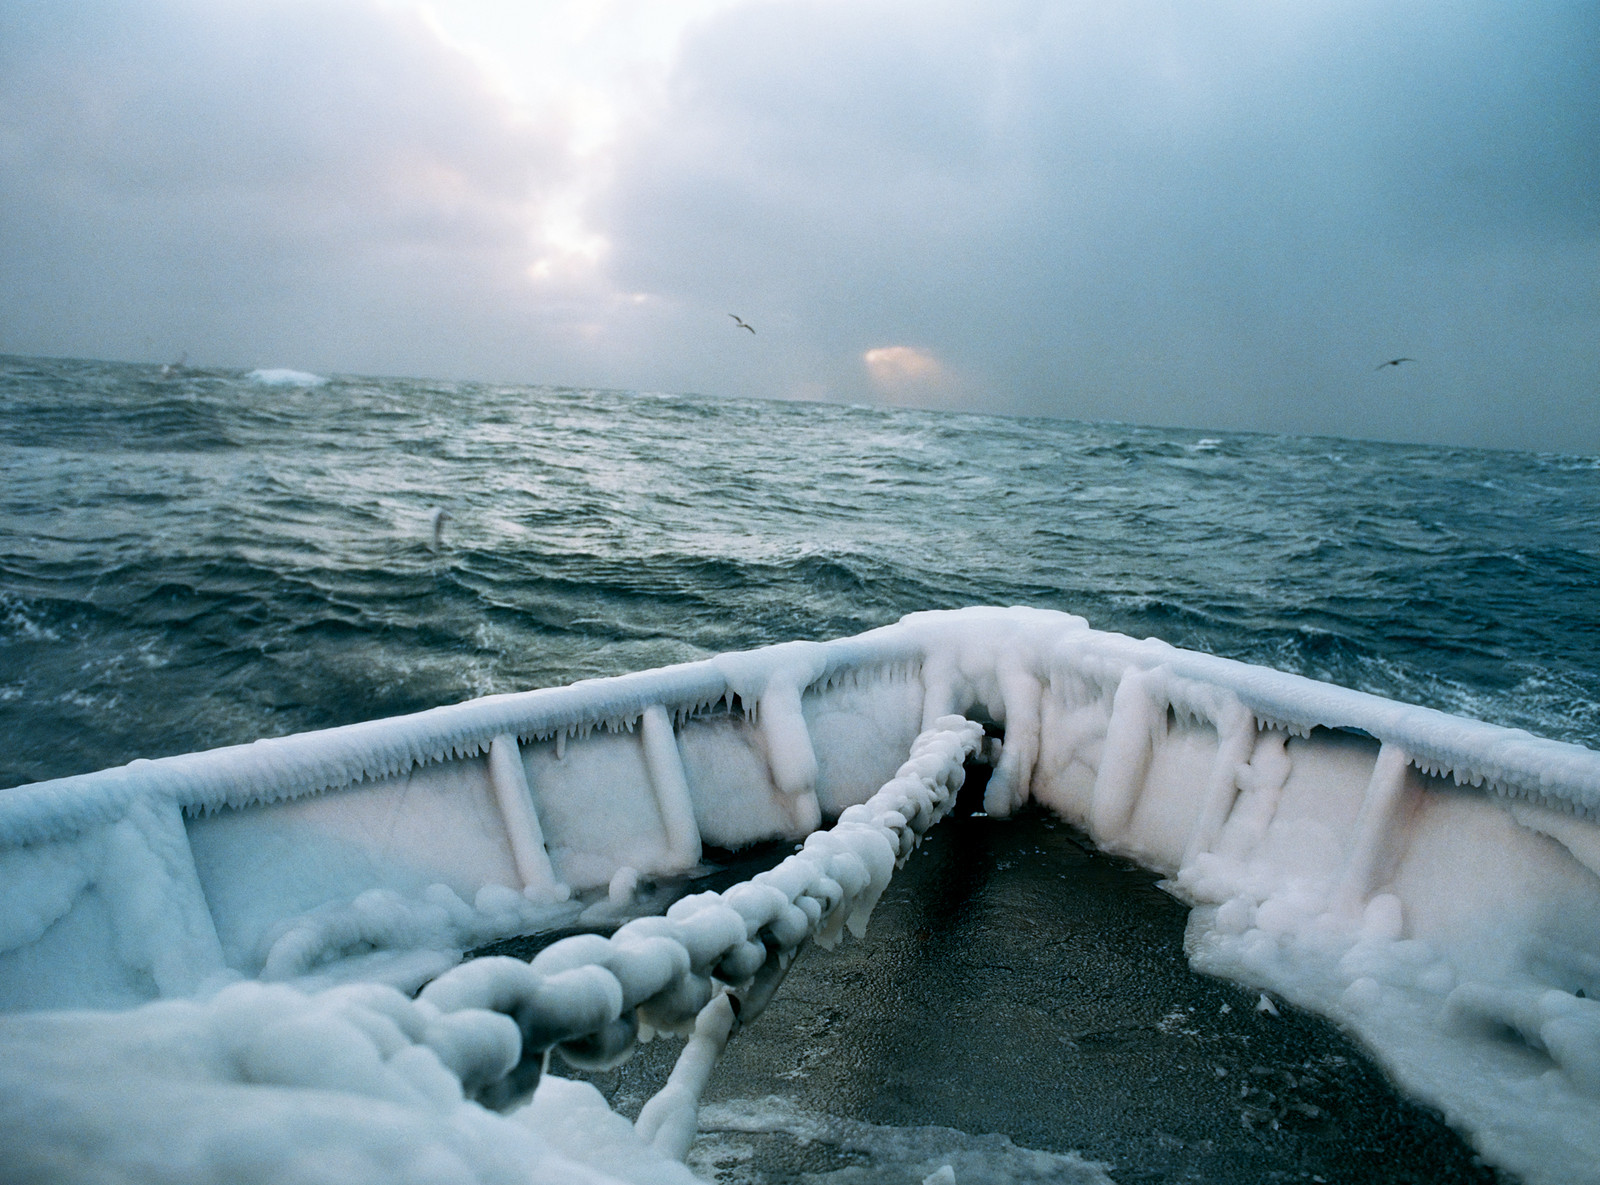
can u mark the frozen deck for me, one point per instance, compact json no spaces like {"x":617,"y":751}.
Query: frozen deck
{"x":1430,"y":881}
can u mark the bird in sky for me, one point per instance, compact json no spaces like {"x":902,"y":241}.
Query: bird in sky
{"x":737,"y":321}
{"x":1393,"y":362}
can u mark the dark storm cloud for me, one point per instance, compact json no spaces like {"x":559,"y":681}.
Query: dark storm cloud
{"x":317,"y":184}
{"x":1214,"y":215}
{"x":1220,"y":215}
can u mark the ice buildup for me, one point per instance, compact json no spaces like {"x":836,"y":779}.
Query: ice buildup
{"x":273,"y":1083}
{"x":1430,"y":882}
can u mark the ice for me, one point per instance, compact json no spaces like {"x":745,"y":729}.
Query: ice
{"x":284,"y":377}
{"x":623,"y":885}
{"x":1429,"y":882}
{"x":670,"y":1120}
{"x":265,"y":1083}
{"x":381,"y":919}
{"x":41,"y":886}
{"x":575,"y":1120}
{"x":361,"y":1082}
{"x":1558,"y":1023}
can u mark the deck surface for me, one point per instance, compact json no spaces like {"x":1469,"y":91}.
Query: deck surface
{"x":1016,"y":981}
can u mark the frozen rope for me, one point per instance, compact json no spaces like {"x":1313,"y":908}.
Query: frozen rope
{"x":713,"y":958}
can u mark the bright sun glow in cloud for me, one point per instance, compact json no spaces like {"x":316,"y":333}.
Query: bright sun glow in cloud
{"x":897,"y":367}
{"x":585,"y":62}
{"x":910,"y":375}
{"x":586,"y":66}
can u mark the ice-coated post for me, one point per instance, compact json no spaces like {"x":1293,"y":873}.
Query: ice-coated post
{"x":790,"y":756}
{"x":1373,"y":825}
{"x":526,"y":837}
{"x":159,"y":912}
{"x":1125,"y":756}
{"x":1236,"y":737}
{"x":665,"y":765}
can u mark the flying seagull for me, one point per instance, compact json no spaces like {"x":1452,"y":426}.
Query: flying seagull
{"x":1393,"y":362}
{"x":740,"y":323}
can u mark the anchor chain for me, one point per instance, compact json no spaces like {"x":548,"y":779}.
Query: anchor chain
{"x":591,"y":997}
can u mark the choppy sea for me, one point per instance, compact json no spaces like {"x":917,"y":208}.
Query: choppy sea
{"x":203,"y":557}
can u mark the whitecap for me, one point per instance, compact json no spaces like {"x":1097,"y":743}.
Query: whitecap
{"x":283,"y":377}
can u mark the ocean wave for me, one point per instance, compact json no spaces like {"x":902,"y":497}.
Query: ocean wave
{"x":184,"y":563}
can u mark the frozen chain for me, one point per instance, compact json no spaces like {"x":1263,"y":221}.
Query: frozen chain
{"x":591,"y":996}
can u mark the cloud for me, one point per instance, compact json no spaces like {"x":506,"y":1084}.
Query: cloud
{"x":319,"y":183}
{"x":1220,"y":216}
{"x":1147,"y":211}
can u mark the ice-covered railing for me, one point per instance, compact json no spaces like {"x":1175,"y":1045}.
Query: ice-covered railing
{"x":1470,"y":752}
{"x":767,"y":683}
{"x":1006,"y":659}
{"x":1433,"y":922}
{"x":993,"y":661}
{"x":384,"y":1084}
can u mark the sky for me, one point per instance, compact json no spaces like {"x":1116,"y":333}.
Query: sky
{"x":1220,"y":215}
